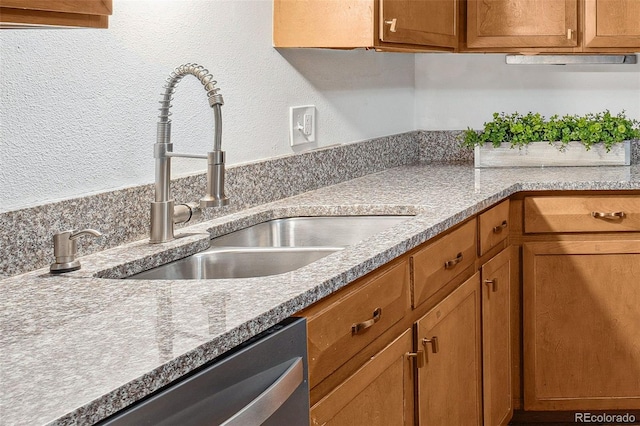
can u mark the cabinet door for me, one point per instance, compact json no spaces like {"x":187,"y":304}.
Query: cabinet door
{"x":581,"y":317}
{"x":449,"y":382}
{"x":86,"y":13}
{"x":421,"y":22}
{"x":522,"y":23}
{"x":496,"y":339}
{"x":379,"y":393}
{"x":612,"y":23}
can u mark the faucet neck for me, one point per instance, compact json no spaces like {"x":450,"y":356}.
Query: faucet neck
{"x":162,"y":209}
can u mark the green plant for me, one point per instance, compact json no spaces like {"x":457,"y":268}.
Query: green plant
{"x":518,"y":130}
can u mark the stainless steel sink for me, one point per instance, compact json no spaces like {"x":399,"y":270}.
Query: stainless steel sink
{"x":314,"y":231}
{"x":273,"y":247}
{"x":233,"y":262}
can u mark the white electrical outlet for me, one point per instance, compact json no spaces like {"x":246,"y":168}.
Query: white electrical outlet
{"x":302,"y":124}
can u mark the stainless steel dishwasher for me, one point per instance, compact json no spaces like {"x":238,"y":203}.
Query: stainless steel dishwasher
{"x":262,"y":382}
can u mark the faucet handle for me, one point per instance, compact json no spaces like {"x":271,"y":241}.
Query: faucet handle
{"x":65,"y":249}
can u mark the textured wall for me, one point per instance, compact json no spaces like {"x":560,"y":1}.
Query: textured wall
{"x":456,"y":91}
{"x":78,"y":107}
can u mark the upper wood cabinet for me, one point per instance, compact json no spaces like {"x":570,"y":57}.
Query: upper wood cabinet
{"x":55,"y":13}
{"x":522,"y":23}
{"x":559,"y":26}
{"x":409,"y":25}
{"x":612,"y":23}
{"x":423,"y":22}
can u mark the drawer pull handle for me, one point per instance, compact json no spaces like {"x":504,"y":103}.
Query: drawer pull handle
{"x":498,"y":229}
{"x":433,"y":342}
{"x":362,"y":326}
{"x":451,"y":263}
{"x":493,"y":283}
{"x":613,"y":215}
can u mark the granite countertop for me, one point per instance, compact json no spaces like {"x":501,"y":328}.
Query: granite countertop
{"x":76,"y":348}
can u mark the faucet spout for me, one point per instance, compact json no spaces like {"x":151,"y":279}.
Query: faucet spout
{"x":164,"y":213}
{"x":215,"y":196}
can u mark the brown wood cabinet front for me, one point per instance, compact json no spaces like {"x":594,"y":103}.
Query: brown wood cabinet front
{"x":582,"y":213}
{"x":420,"y":22}
{"x":449,"y":383}
{"x":559,"y":26}
{"x":493,"y":227}
{"x":522,"y":23}
{"x":581,"y":317}
{"x":496,"y":339}
{"x":612,"y":23}
{"x":344,"y":324}
{"x":402,"y":25}
{"x":54,"y":13}
{"x":441,"y":261}
{"x":380,"y":393}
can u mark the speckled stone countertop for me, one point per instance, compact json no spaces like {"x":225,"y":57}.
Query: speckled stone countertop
{"x":76,"y":348}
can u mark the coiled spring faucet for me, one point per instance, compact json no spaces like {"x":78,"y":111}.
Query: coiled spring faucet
{"x":164,"y":212}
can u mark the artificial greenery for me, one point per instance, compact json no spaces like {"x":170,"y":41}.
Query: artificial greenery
{"x":519,"y":130}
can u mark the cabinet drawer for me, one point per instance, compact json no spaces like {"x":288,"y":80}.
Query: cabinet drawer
{"x":493,"y":227}
{"x":340,"y":328}
{"x":611,"y":213}
{"x":439,"y":262}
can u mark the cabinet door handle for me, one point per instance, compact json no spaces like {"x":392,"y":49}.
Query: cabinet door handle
{"x":569,"y":33}
{"x":498,"y":229}
{"x":419,"y":357}
{"x":393,"y":23}
{"x":359,"y":327}
{"x":493,"y":283}
{"x":433,"y":342}
{"x":611,"y":215}
{"x":451,"y":263}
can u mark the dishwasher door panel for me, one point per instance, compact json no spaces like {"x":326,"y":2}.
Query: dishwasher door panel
{"x":264,"y":382}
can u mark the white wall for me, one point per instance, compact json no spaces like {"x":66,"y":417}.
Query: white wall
{"x":78,"y":107}
{"x":463,"y":90}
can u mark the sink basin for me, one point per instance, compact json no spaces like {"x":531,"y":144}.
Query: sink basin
{"x":315,"y":231}
{"x":273,"y":247}
{"x":233,"y":262}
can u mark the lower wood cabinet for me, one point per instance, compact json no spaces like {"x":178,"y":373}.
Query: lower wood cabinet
{"x":375,"y":361}
{"x":582,"y":325}
{"x":435,"y":338}
{"x":343,"y":325}
{"x":450,"y":381}
{"x":496,"y":339}
{"x":380,"y":393}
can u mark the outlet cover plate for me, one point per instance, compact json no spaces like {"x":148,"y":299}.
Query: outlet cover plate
{"x":302,"y":124}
